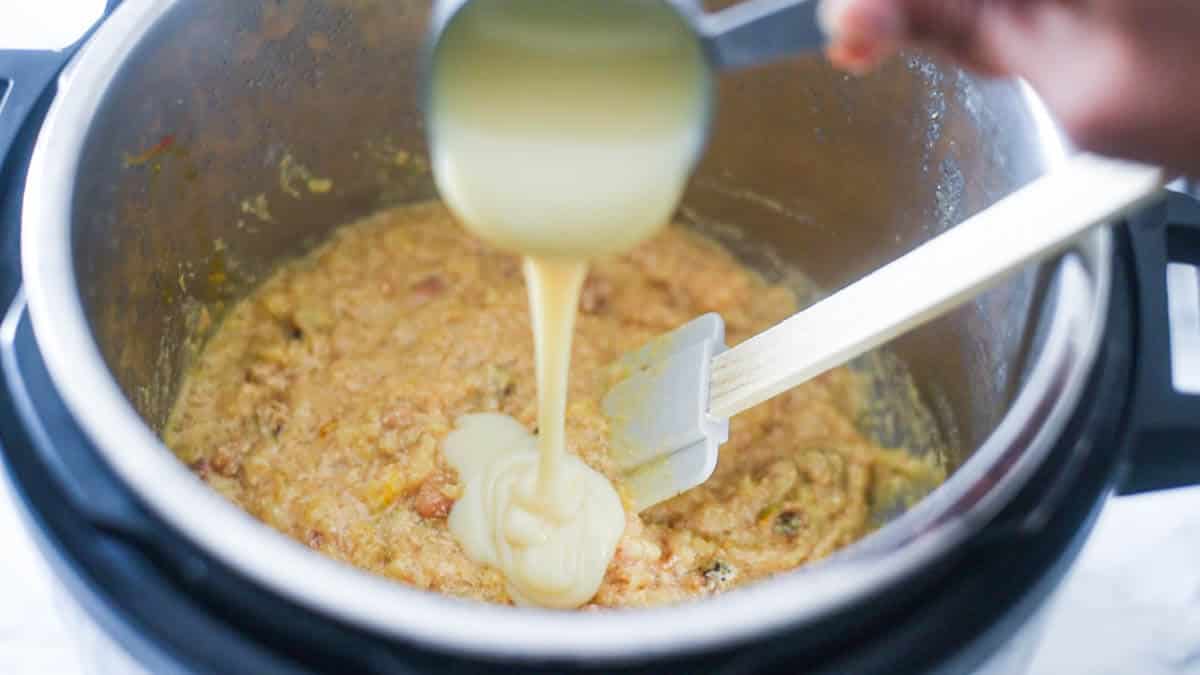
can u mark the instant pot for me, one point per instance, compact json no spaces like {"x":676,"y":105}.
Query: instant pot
{"x":155,"y":172}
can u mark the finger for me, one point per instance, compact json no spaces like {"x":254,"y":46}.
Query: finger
{"x":862,"y":32}
{"x":866,"y":32}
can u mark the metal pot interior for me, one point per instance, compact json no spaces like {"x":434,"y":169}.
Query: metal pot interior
{"x":193,"y":182}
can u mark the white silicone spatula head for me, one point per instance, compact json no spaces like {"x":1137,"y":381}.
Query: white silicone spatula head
{"x":658,"y":412}
{"x":669,"y":413}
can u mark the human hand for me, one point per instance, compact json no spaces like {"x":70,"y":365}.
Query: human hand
{"x":1121,"y":76}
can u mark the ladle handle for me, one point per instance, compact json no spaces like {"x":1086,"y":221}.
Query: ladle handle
{"x":1033,"y":223}
{"x":755,"y":32}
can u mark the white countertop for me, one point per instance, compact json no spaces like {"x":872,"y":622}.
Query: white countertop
{"x":1131,"y":605}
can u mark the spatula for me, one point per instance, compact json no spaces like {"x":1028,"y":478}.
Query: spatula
{"x":670,"y":409}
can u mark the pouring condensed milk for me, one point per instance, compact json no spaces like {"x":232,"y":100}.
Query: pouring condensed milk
{"x":561,"y":131}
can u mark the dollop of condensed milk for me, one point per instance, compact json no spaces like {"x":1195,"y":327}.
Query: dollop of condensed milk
{"x":561,"y":130}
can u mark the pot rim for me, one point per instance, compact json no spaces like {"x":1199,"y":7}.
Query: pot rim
{"x":959,"y":507}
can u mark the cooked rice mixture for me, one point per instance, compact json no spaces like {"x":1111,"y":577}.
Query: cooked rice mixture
{"x":320,"y":403}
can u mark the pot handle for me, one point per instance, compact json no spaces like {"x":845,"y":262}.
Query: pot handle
{"x":1165,"y":405}
{"x":25,"y":75}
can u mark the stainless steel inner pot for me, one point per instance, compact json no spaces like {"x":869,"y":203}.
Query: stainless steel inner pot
{"x":174,"y":170}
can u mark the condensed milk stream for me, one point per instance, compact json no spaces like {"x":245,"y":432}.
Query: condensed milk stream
{"x":561,"y":130}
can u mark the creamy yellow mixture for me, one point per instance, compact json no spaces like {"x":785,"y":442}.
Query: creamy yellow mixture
{"x":561,"y":131}
{"x":325,"y":402}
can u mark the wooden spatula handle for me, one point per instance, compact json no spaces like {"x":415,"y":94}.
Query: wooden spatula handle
{"x":1033,"y":223}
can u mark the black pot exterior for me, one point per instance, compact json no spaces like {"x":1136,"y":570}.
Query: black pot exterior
{"x":176,"y":609}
